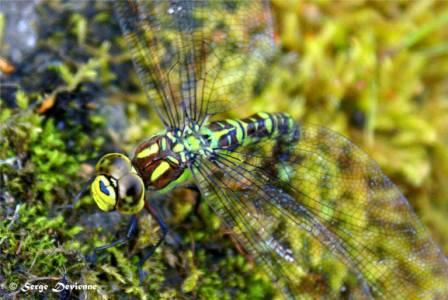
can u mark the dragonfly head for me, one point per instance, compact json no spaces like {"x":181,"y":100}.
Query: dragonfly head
{"x":117,"y":186}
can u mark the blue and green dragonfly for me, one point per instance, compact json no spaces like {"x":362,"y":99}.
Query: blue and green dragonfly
{"x":291,"y":193}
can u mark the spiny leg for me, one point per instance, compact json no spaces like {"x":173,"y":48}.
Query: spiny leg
{"x":130,"y":233}
{"x":151,"y":249}
{"x":81,"y":192}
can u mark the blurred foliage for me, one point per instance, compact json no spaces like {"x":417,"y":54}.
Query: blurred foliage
{"x":374,"y":71}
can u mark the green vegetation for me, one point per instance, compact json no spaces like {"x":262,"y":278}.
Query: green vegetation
{"x":376,"y":72}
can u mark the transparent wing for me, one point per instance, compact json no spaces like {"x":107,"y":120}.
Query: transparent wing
{"x":196,"y":57}
{"x":297,"y":207}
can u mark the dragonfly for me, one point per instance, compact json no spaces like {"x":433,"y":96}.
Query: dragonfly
{"x":291,"y":193}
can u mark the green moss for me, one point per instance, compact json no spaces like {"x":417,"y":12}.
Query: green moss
{"x":31,"y":249}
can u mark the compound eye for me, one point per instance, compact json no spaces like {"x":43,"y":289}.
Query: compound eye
{"x":114,"y":164}
{"x":131,"y":194}
{"x":104,"y":193}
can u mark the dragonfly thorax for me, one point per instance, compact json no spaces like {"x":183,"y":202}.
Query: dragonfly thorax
{"x":162,"y":161}
{"x":196,"y":142}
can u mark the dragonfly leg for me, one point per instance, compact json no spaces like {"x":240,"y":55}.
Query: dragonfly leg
{"x":150,"y":250}
{"x":75,"y":200}
{"x":131,"y":232}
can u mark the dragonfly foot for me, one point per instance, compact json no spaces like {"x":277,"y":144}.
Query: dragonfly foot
{"x":91,"y":259}
{"x":141,"y":274}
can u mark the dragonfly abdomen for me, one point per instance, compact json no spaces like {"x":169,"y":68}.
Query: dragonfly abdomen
{"x":231,"y":133}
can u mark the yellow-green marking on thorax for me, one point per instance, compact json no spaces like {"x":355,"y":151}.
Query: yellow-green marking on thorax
{"x":160,"y":170}
{"x":193,"y":143}
{"x":186,"y":175}
{"x":153,"y":149}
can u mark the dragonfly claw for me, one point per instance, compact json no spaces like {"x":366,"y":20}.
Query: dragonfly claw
{"x":91,"y":259}
{"x":142,"y":274}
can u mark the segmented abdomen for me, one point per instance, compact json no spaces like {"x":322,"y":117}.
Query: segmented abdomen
{"x":231,"y":133}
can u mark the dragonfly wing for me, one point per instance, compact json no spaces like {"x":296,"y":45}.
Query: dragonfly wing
{"x":248,"y":206}
{"x":193,"y":56}
{"x":301,"y":203}
{"x":250,"y":225}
